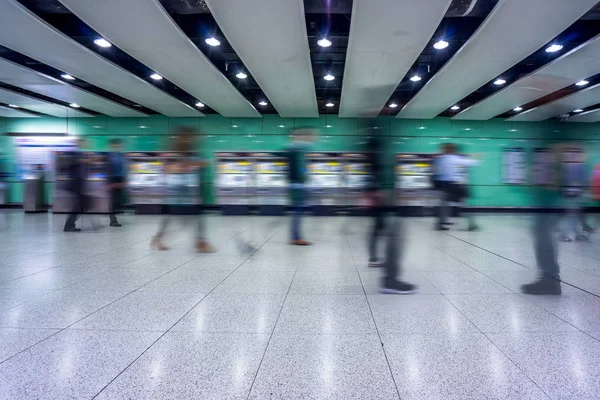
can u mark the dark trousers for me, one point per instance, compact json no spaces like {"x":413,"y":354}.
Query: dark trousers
{"x":378,"y":216}
{"x":116,"y":199}
{"x":80,"y":204}
{"x":545,"y":245}
{"x":165,"y":221}
{"x":393,"y":249}
{"x":298,"y":206}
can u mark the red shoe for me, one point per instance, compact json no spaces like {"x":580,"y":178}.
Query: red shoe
{"x":300,"y":242}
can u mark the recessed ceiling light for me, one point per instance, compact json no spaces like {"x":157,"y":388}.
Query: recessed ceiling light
{"x":263,"y":103}
{"x":156,"y":76}
{"x":582,"y":82}
{"x":440,"y":45}
{"x":241,"y":75}
{"x":329,"y":104}
{"x":137,"y":105}
{"x":519,"y":108}
{"x":68,"y":77}
{"x":13,"y":105}
{"x":199,"y":104}
{"x":324,"y":42}
{"x":329,"y":77}
{"x":393,"y":105}
{"x":74,"y":105}
{"x":415,"y":78}
{"x":142,"y":127}
{"x":102,"y":42}
{"x":455,"y":108}
{"x":211,"y":41}
{"x":553,"y":48}
{"x":578,"y":110}
{"x":282,"y":126}
{"x":499,"y":82}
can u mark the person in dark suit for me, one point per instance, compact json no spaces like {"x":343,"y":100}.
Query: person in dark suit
{"x":116,"y":179}
{"x":77,"y":173}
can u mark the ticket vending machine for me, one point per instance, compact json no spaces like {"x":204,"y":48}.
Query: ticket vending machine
{"x":325,"y":180}
{"x":414,"y":187}
{"x":271,"y":182}
{"x":96,"y":184}
{"x":356,"y":179}
{"x":34,"y":198}
{"x":234,"y":182}
{"x":146,"y":182}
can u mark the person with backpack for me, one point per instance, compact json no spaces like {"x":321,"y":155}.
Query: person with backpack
{"x":301,"y":142}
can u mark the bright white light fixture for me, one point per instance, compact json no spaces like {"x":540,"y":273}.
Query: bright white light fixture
{"x":415,"y":78}
{"x":393,"y":105}
{"x":241,"y":75}
{"x":467,"y":129}
{"x":74,"y":105}
{"x":455,"y":108}
{"x":13,"y":105}
{"x":282,"y":126}
{"x":329,"y":77}
{"x":582,"y":82}
{"x":440,"y":45}
{"x":329,"y":104}
{"x":234,"y":126}
{"x":519,"y":108}
{"x":102,"y":43}
{"x":68,"y":77}
{"x":324,"y":42}
{"x":142,"y":127}
{"x":263,"y":103}
{"x":199,"y":104}
{"x":421,"y":127}
{"x":211,"y":41}
{"x":156,"y":76}
{"x":578,"y":110}
{"x":553,"y":48}
{"x":328,"y":126}
{"x":499,"y":82}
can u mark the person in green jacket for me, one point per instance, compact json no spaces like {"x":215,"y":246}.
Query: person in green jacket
{"x":302,"y":140}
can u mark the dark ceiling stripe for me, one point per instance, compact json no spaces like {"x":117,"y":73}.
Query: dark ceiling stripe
{"x":26,"y":110}
{"x":572,"y":37}
{"x":35,"y":65}
{"x":73,"y":27}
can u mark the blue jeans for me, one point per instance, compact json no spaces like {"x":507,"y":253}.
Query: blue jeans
{"x":298,"y":206}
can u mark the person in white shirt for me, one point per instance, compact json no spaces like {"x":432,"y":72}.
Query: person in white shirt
{"x":450,"y":173}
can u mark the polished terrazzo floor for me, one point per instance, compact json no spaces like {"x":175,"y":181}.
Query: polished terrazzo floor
{"x":100,"y":315}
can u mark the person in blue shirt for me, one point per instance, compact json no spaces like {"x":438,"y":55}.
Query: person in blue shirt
{"x":116,"y":178}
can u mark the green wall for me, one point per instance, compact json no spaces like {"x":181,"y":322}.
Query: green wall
{"x":487,"y":138}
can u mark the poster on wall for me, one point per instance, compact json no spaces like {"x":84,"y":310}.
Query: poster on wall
{"x":32,"y":151}
{"x":542,"y":172}
{"x":514,"y":166}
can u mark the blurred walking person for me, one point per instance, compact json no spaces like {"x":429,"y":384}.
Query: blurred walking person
{"x":80,"y":201}
{"x":574,"y":184}
{"x":182,"y":146}
{"x":375,"y":195}
{"x":302,"y":140}
{"x":116,"y":179}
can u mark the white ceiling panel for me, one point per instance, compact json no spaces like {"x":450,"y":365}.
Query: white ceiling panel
{"x":23,"y":31}
{"x":145,"y":31}
{"x":270,"y":38}
{"x":12,"y":113}
{"x":579,"y":63}
{"x":580,"y":99}
{"x":588,"y":116}
{"x":513,"y":30}
{"x":45,"y":107}
{"x":37,"y":82}
{"x":380,"y":54}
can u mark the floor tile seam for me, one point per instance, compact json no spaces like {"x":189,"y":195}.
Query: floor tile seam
{"x":377,"y":332}
{"x":65,"y":328}
{"x":25,"y":302}
{"x":494,"y":344}
{"x":508,"y":259}
{"x":176,"y":322}
{"x":513,"y":362}
{"x":24,"y":276}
